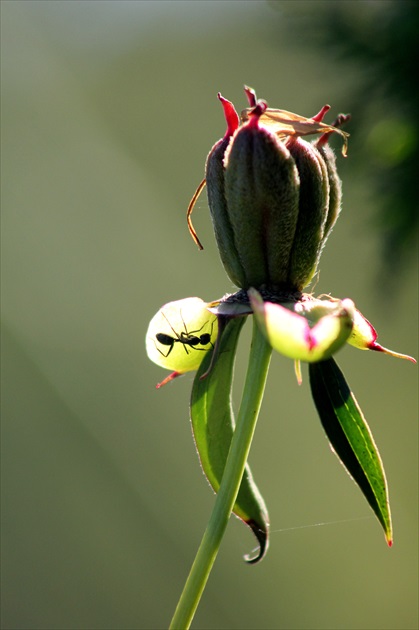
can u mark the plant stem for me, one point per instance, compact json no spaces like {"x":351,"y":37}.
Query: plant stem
{"x":257,"y":371}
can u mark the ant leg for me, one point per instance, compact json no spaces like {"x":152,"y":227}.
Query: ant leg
{"x":179,"y":337}
{"x":204,"y":339}
{"x":190,"y":333}
{"x":162,"y":353}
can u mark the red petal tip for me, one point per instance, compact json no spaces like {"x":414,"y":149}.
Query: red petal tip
{"x":319,"y":117}
{"x":340,"y":120}
{"x":257,"y":112}
{"x":251,"y":96}
{"x":230,"y":114}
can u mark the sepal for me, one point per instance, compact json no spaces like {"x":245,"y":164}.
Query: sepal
{"x":308,"y":331}
{"x":364,"y":336}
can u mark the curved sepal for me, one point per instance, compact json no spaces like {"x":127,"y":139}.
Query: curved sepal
{"x":213,"y":425}
{"x":350,"y":437}
{"x":364,"y":336}
{"x":284,"y":123}
{"x":310,"y":331}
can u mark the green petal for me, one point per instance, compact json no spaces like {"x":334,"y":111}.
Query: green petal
{"x":307,"y":331}
{"x":213,"y":424}
{"x":180,"y":335}
{"x":350,"y":437}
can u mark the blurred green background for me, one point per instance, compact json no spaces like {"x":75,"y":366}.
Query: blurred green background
{"x":108,"y":112}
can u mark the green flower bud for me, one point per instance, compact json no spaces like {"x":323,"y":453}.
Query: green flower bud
{"x":262,"y":191}
{"x":273,"y":197}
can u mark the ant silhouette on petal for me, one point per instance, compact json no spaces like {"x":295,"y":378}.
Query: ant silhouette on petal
{"x":186,"y":338}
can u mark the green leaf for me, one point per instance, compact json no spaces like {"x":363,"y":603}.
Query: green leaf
{"x":213,"y":425}
{"x":350,"y":437}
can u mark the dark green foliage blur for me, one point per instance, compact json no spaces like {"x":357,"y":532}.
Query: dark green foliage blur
{"x":382,"y":39}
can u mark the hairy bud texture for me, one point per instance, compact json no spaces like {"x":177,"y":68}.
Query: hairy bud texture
{"x":273,"y":196}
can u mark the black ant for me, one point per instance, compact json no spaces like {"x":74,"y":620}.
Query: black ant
{"x":186,"y":338}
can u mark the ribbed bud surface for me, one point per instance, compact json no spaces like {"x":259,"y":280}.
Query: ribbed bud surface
{"x":312,"y":211}
{"x":274,"y":199}
{"x":223,"y":230}
{"x":262,"y":191}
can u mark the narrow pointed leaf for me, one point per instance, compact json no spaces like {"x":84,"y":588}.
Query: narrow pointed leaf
{"x":213,"y":425}
{"x":350,"y":437}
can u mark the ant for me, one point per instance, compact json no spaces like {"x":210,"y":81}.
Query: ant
{"x":185,"y":338}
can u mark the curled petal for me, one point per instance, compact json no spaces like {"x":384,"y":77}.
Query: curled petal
{"x":180,"y":334}
{"x":284,"y":123}
{"x":314,"y":335}
{"x":364,"y":336}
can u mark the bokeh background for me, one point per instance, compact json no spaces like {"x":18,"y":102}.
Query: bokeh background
{"x":108,"y":112}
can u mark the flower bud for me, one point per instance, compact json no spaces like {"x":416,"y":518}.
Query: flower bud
{"x":262,"y":192}
{"x":273,"y":197}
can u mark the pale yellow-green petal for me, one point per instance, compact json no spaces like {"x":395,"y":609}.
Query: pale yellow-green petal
{"x":363,"y":333}
{"x":364,"y":336}
{"x":302,"y":338}
{"x":180,"y":334}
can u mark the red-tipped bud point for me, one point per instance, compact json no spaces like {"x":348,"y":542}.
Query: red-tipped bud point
{"x":273,"y":197}
{"x":251,"y":96}
{"x":231,"y":116}
{"x":322,"y":113}
{"x":341,"y":119}
{"x":258,"y":111}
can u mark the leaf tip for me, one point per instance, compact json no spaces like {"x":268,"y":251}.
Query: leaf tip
{"x":262,"y":537}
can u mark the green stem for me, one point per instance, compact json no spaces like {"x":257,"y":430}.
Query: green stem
{"x":257,"y":371}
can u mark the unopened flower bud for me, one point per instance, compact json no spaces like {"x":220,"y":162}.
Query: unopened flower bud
{"x":262,"y":192}
{"x":273,"y":197}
